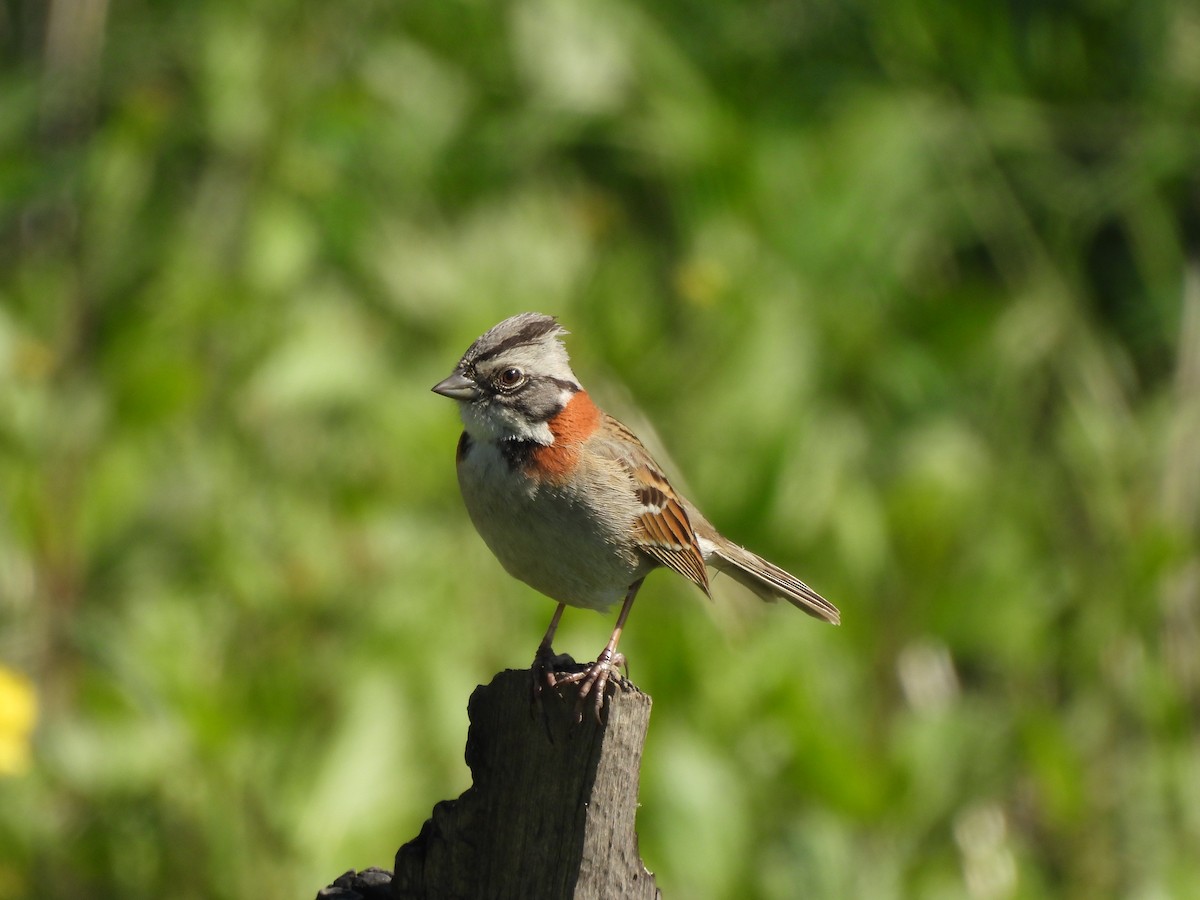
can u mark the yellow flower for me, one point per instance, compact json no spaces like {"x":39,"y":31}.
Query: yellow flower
{"x":18,"y":713}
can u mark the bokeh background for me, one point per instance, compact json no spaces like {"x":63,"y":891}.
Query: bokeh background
{"x":908,"y":290}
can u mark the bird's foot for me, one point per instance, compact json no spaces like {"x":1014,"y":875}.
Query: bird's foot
{"x":545,"y":664}
{"x":594,"y":679}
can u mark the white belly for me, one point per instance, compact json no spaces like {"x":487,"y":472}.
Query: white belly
{"x":545,"y":537}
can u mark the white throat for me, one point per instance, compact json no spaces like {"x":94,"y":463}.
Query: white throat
{"x":492,"y":422}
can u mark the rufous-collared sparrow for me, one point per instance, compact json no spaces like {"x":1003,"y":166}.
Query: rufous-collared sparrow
{"x":569,"y":500}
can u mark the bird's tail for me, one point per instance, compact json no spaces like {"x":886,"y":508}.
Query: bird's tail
{"x":766,"y":579}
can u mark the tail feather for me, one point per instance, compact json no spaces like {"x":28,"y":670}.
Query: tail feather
{"x":767,"y":580}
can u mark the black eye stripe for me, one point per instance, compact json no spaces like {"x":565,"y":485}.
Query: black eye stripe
{"x":539,"y":398}
{"x":493,"y":385}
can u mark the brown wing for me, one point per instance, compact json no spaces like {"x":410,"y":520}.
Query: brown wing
{"x":664,"y":530}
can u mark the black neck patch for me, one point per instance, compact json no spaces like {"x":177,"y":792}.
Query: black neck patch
{"x":518,"y":453}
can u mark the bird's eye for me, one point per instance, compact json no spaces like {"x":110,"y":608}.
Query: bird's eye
{"x":511,"y":377}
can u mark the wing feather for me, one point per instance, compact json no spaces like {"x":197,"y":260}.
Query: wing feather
{"x":663,"y":529}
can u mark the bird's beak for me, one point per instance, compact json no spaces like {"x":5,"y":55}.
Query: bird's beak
{"x":458,"y":387}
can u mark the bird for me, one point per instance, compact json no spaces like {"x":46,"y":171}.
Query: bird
{"x":572,"y":503}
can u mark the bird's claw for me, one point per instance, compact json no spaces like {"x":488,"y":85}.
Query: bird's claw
{"x":545,"y":663}
{"x":594,"y":681}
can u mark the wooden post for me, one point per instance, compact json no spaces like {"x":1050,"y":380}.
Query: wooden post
{"x":550,"y":813}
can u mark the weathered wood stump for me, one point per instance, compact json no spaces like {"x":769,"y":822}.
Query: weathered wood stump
{"x":550,"y":812}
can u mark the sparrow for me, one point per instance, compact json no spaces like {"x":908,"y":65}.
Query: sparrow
{"x":570,"y":501}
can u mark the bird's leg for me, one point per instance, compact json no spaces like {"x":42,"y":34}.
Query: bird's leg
{"x":594,"y":679}
{"x":545,"y":662}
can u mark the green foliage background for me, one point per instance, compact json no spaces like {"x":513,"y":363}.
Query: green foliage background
{"x":907,"y":289}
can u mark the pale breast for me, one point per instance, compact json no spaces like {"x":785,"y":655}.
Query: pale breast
{"x":548,"y":535}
